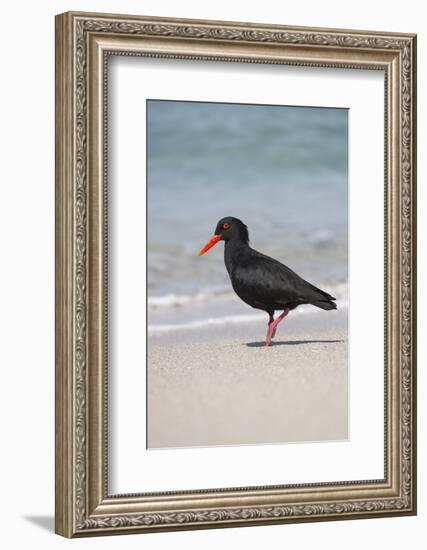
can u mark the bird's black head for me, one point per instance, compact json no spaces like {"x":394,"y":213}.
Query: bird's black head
{"x":227,"y":229}
{"x":232,"y":229}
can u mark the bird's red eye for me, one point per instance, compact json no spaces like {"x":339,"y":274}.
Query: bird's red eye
{"x":226,"y":225}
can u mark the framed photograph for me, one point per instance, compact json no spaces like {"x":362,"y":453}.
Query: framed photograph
{"x":235,"y":274}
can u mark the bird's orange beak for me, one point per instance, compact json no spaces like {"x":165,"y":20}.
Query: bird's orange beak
{"x":209,"y":244}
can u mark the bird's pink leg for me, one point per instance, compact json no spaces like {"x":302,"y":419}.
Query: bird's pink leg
{"x":277,"y":321}
{"x":269,"y":331}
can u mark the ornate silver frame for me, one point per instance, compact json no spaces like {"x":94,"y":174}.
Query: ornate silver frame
{"x":83,"y":505}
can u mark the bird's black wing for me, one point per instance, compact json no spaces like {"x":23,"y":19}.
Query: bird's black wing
{"x":267,"y":282}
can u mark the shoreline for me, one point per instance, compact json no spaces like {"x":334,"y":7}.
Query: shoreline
{"x":251,"y":326}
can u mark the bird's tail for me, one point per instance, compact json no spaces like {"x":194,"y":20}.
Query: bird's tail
{"x":324,"y":300}
{"x":325,"y":304}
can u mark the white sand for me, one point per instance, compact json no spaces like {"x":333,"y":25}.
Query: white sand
{"x":221,"y":386}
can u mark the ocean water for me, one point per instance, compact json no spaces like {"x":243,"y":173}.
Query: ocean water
{"x":283,"y":170}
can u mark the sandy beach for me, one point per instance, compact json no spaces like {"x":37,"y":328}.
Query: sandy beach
{"x":219,"y":385}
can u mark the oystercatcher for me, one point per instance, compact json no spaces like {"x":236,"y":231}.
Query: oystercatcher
{"x":260,"y":281}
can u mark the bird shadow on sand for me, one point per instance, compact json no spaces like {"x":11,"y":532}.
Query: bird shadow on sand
{"x":292,"y":343}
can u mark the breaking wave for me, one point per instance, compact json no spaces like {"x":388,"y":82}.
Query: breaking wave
{"x":176,"y":301}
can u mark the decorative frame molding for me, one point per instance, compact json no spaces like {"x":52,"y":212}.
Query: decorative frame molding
{"x":83,"y":42}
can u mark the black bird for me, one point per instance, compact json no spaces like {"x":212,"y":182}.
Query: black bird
{"x":260,"y":281}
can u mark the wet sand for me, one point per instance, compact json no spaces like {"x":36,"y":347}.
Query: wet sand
{"x":221,"y":386}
